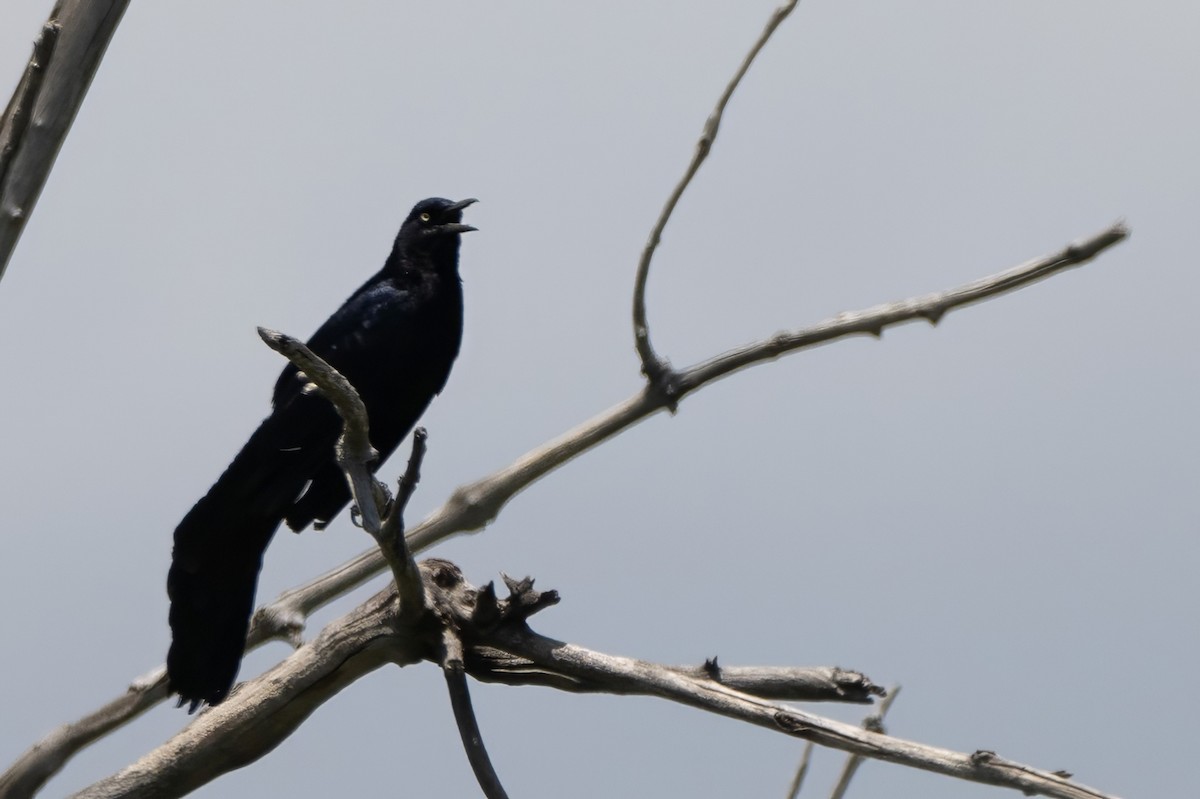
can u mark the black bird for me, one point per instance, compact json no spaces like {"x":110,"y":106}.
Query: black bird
{"x":395,"y":339}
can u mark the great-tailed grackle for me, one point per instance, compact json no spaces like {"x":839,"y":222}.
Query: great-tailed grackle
{"x":395,"y":340}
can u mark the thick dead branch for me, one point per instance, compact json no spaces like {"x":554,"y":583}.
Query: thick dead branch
{"x":657,"y":370}
{"x":45,"y":103}
{"x":261,"y":712}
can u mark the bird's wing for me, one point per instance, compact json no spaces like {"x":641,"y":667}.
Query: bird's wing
{"x":351,"y":335}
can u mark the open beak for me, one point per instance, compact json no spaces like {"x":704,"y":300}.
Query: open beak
{"x":458,"y":227}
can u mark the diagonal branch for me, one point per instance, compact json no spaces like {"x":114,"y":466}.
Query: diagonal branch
{"x":45,"y":103}
{"x":628,"y":676}
{"x":657,"y":370}
{"x":801,"y":771}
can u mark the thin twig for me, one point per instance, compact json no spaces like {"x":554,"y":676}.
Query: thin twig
{"x":468,"y":730}
{"x":874,"y":723}
{"x":801,"y":771}
{"x":393,"y":543}
{"x":412,"y":473}
{"x":929,"y":307}
{"x":656,"y":369}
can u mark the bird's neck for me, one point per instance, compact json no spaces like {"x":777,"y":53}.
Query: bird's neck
{"x":440,"y":260}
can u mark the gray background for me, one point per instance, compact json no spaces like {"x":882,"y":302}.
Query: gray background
{"x":997,"y":513}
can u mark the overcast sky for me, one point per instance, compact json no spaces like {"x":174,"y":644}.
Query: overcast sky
{"x":999,"y":513}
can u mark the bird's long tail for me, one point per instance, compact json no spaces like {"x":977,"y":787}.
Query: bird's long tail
{"x":218,"y":552}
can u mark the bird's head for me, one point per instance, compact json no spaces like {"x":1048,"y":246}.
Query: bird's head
{"x":429,"y":237}
{"x":434,"y":219}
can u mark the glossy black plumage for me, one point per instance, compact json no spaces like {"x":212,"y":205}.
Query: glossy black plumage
{"x":395,"y":339}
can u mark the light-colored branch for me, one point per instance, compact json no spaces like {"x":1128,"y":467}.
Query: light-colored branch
{"x":783,"y":683}
{"x":25,"y":777}
{"x":474,"y":505}
{"x":929,"y":307}
{"x":654,"y":367}
{"x":801,"y":771}
{"x":393,"y":542}
{"x":355,"y":455}
{"x":874,"y":723}
{"x":628,"y":676}
{"x":262,"y":712}
{"x":44,"y":105}
{"x":354,"y":451}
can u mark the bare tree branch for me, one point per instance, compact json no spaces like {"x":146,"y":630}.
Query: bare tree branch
{"x":874,"y":723}
{"x":930,"y":307}
{"x":801,"y":771}
{"x":468,"y":729}
{"x":354,"y":451}
{"x":44,"y":105}
{"x":628,"y":676}
{"x":261,"y":713}
{"x":26,"y":776}
{"x":393,"y":543}
{"x":468,"y":726}
{"x":355,"y":456}
{"x":655,"y":368}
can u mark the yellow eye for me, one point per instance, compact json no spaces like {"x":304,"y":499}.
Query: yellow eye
{"x":425,"y":217}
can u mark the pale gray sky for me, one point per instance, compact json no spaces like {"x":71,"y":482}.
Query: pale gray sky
{"x":998,"y":513}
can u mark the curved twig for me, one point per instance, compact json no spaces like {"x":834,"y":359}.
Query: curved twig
{"x":657,"y":370}
{"x":468,"y":725}
{"x":354,"y":450}
{"x":355,"y":455}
